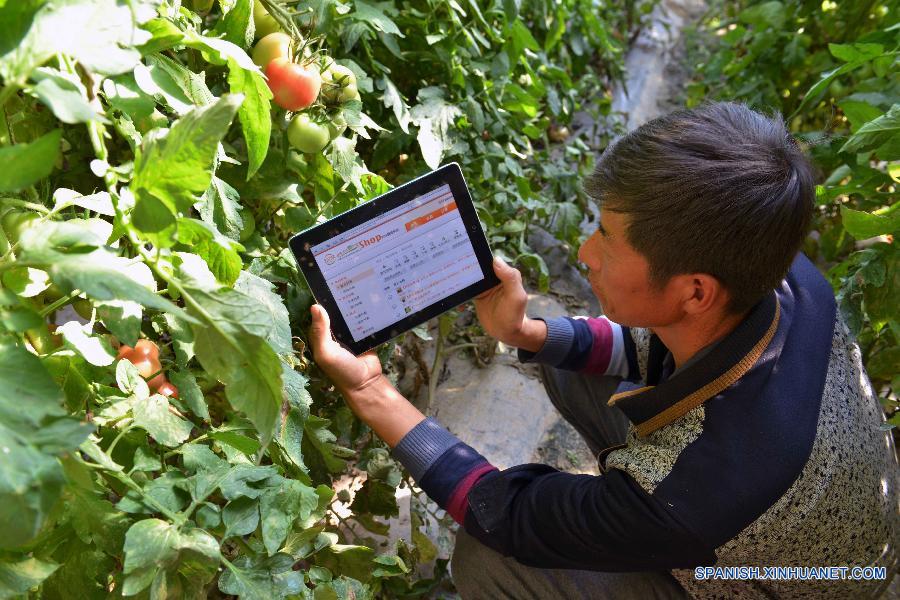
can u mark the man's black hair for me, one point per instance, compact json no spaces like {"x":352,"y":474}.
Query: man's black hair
{"x":720,"y":189}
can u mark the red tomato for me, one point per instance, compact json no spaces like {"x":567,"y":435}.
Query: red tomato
{"x":294,"y":86}
{"x":167,"y":389}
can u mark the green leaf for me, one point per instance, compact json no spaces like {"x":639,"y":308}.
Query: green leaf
{"x":101,"y":35}
{"x":375,"y":16}
{"x":434,"y":116}
{"x":244,"y":444}
{"x":153,"y":415}
{"x":352,"y":561}
{"x":375,"y":498}
{"x":190,"y":393}
{"x":219,"y":252}
{"x":27,"y":392}
{"x":254,"y":114}
{"x":814,"y":94}
{"x":30,"y":484}
{"x":240,"y":516}
{"x":239,"y":480}
{"x":518,"y":38}
{"x":855,"y":52}
{"x":16,"y":578}
{"x":393,"y":100}
{"x":768,"y":14}
{"x":65,"y":95}
{"x":877,"y":133}
{"x":26,"y":164}
{"x":863,"y":225}
{"x":122,"y":318}
{"x":153,"y":544}
{"x":273,"y":322}
{"x":129,"y":380}
{"x":858,"y":112}
{"x":280,"y":506}
{"x":19,"y":318}
{"x":96,"y":350}
{"x":172,"y":169}
{"x":220,"y":206}
{"x":237,"y":25}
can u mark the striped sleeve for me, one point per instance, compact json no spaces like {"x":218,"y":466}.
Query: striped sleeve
{"x":546,"y":518}
{"x":443,"y":466}
{"x":592,"y":345}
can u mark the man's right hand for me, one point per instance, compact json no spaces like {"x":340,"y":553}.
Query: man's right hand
{"x":501,"y":311}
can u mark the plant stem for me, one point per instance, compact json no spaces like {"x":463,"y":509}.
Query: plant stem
{"x":25,"y":204}
{"x":58,"y":303}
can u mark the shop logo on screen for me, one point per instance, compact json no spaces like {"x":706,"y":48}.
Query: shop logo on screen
{"x":329,"y":259}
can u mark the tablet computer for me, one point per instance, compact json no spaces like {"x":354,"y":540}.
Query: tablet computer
{"x":397,"y":261}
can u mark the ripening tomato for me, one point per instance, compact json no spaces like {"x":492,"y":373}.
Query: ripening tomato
{"x":339,"y":84}
{"x":308,"y":136}
{"x":293,"y":86}
{"x":264,"y":22}
{"x":143,"y":348}
{"x":168,"y":390}
{"x":275,"y":45}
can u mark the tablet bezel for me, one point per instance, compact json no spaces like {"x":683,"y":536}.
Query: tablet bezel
{"x":301,"y":243}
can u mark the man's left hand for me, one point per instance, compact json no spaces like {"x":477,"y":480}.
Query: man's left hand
{"x":350,"y":374}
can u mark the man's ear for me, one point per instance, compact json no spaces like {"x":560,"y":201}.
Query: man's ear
{"x":702,"y":293}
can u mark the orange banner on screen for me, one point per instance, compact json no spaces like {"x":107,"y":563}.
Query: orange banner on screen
{"x":418,"y":222}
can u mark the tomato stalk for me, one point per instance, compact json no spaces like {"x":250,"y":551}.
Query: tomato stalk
{"x":58,"y":303}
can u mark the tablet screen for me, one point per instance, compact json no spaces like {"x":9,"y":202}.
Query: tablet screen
{"x":399,"y":262}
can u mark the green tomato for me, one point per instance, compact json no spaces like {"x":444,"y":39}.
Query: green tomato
{"x":308,"y":136}
{"x":15,"y":222}
{"x":249,"y":224}
{"x":275,"y":45}
{"x":265,"y":23}
{"x":339,"y":84}
{"x":201,"y":6}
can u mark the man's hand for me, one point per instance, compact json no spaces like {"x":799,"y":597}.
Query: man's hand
{"x":368,"y":393}
{"x":350,"y":374}
{"x":501,"y":311}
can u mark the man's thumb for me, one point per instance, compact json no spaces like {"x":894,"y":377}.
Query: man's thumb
{"x":504,"y":271}
{"x":320,"y":326}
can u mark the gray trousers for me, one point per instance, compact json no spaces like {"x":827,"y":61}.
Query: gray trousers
{"x":480,"y":573}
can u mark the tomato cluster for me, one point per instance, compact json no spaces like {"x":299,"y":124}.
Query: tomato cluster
{"x":297,"y":82}
{"x":145,"y":356}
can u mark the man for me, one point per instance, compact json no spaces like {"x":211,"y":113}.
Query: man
{"x":743,"y":430}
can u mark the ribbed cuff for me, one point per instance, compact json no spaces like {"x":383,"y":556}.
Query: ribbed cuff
{"x":422,"y":446}
{"x":560,"y":336}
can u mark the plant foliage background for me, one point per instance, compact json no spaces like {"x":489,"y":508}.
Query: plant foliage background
{"x":147,"y":182}
{"x":831,"y":69}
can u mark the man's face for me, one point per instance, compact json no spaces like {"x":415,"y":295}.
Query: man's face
{"x":620,"y":278}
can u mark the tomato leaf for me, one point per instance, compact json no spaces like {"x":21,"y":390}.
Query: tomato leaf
{"x":243,"y":361}
{"x":255,"y":112}
{"x":175,"y":167}
{"x":65,"y":95}
{"x":153,"y":415}
{"x":17,"y":577}
{"x":25,"y":164}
